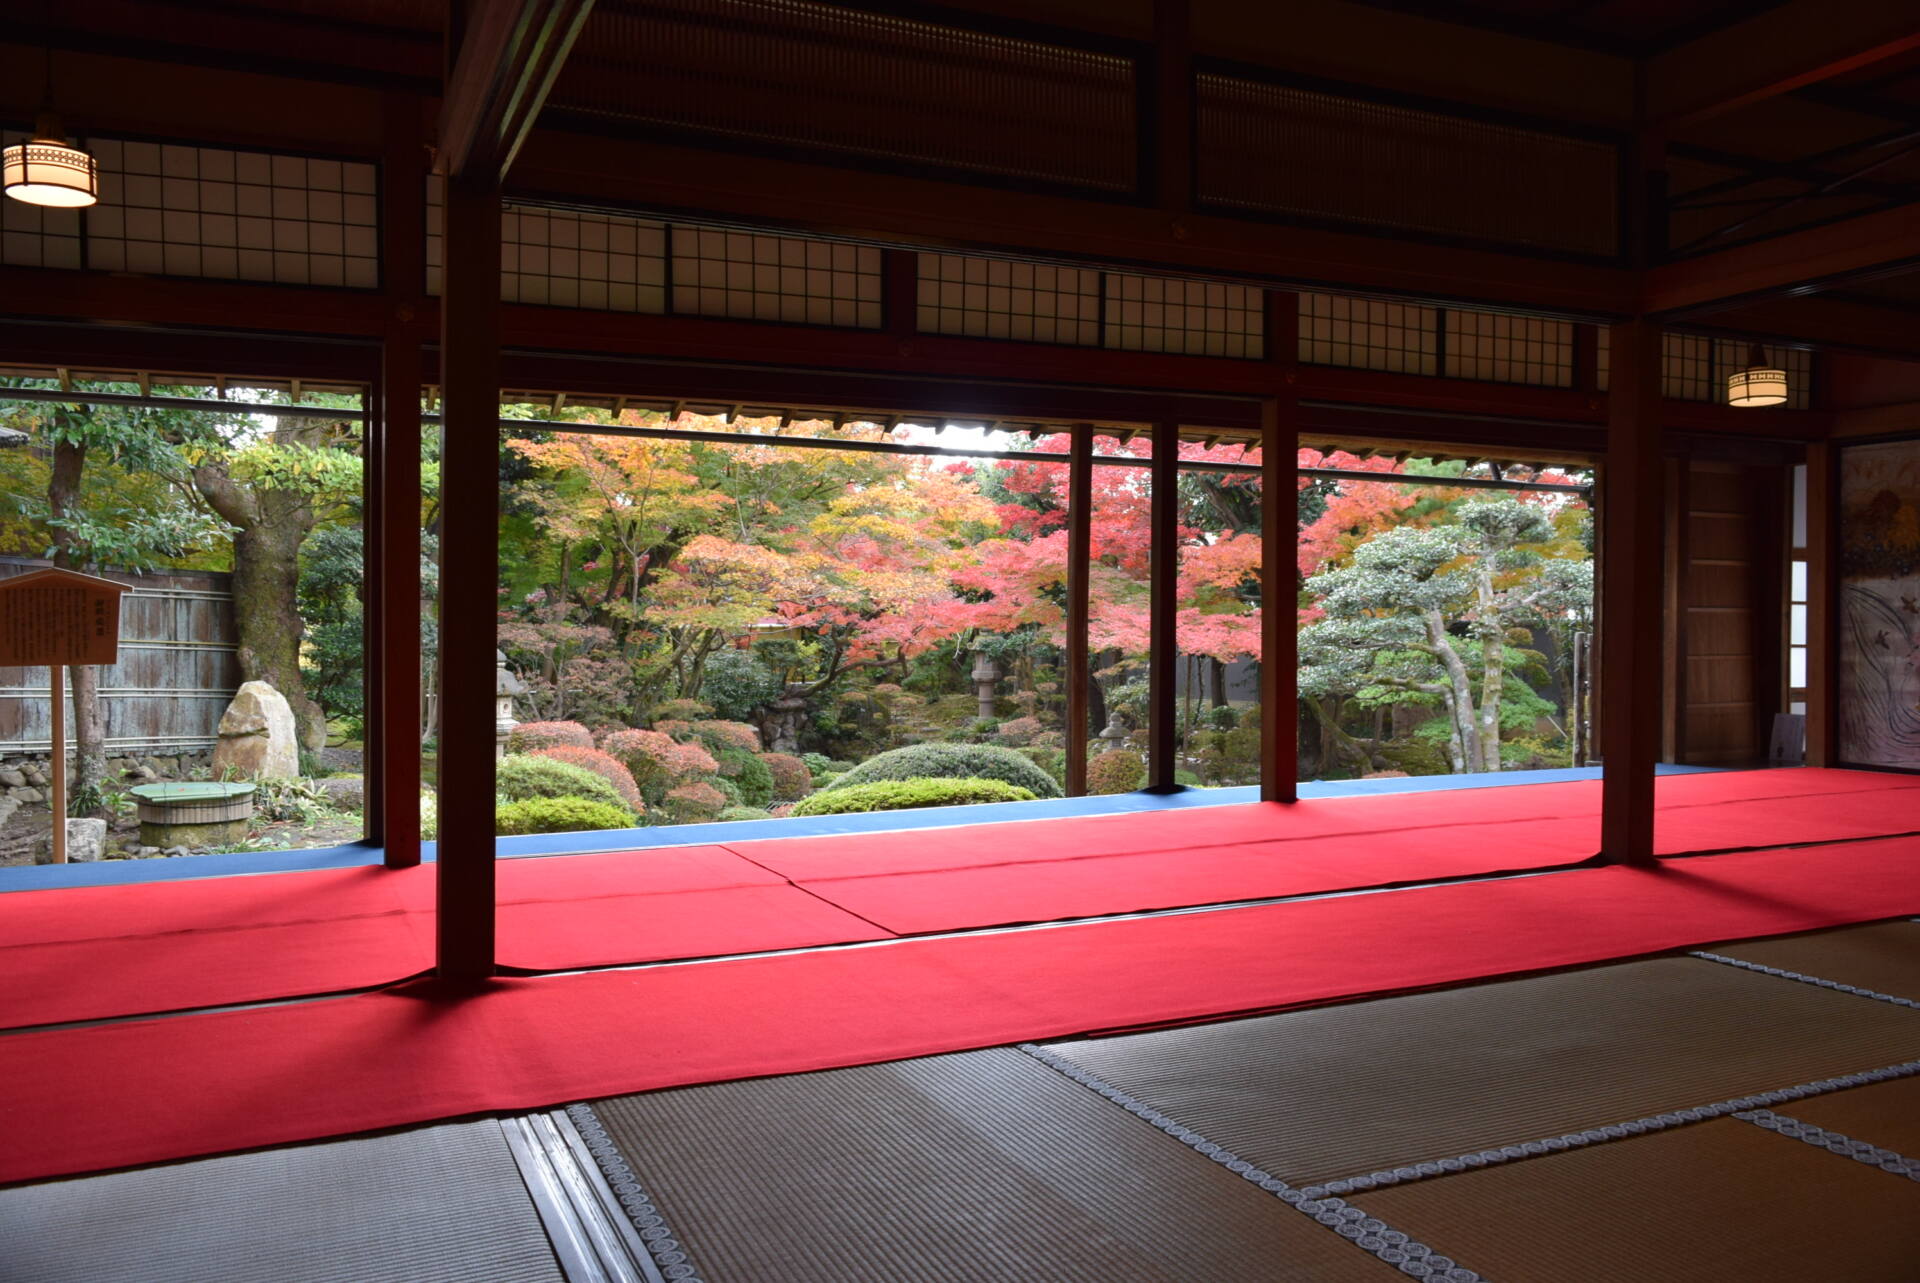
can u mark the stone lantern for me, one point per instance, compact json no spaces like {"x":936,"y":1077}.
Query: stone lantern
{"x":986,"y":678}
{"x":505,"y":687}
{"x":1115,"y":736}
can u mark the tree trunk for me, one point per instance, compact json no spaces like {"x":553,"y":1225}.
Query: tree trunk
{"x":266,"y":577}
{"x":89,"y":723}
{"x":1460,"y":705}
{"x":1493,"y":656}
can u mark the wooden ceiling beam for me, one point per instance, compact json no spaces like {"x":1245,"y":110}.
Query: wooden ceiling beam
{"x":508,"y":54}
{"x":1804,"y":261}
{"x":1785,"y":49}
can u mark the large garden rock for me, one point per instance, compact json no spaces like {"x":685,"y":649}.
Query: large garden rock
{"x":346,"y":792}
{"x":258,"y":740}
{"x":86,"y":842}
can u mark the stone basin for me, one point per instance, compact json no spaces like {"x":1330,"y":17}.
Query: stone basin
{"x":193,"y":814}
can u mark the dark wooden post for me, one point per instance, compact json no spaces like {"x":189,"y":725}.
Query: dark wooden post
{"x":1631,"y":518}
{"x":1279,"y":557}
{"x":1279,"y":615}
{"x":1823,"y":713}
{"x":1162,"y":629}
{"x":1079,"y":604}
{"x":393,"y":510}
{"x":469,"y":572}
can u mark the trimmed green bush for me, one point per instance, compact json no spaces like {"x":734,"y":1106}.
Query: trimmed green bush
{"x":902,"y":795}
{"x":694,"y":803}
{"x":521,"y":776}
{"x":745,"y":813}
{"x":1116,"y":771}
{"x":950,"y":762}
{"x":819,"y":763}
{"x":747,"y":773}
{"x":559,"y":815}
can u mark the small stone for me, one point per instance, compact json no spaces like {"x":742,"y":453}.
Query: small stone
{"x":178,"y":850}
{"x":149,"y":851}
{"x":13,"y":779}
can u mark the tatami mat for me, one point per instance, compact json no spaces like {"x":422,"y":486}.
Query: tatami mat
{"x":984,"y":1165}
{"x":1339,"y":1091}
{"x":1885,"y":1114}
{"x":1884,"y":957}
{"x":1722,"y":1200}
{"x":439,"y":1205}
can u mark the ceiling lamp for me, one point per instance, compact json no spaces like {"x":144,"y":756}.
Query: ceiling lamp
{"x":1761,"y":383}
{"x":46,"y":169}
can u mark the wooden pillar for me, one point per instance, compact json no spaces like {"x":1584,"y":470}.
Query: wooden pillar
{"x":1631,"y":633}
{"x":1279,"y":557}
{"x":1170,"y":123}
{"x":1279,"y":600}
{"x":469,"y":573}
{"x":1079,"y":605}
{"x":393,"y":504}
{"x":1823,"y":620}
{"x":1162,"y":630}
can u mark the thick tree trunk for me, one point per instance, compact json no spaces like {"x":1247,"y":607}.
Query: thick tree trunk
{"x":1493,"y":656}
{"x":1217,"y":673}
{"x":1460,"y":704}
{"x":266,"y":577}
{"x":270,"y":526}
{"x":89,"y":722}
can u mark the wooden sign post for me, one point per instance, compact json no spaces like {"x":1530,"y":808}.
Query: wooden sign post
{"x":57,"y":618}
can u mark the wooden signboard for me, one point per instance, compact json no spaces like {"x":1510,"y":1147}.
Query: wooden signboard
{"x":59,"y":617}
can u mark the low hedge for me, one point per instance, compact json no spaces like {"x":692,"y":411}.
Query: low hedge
{"x":902,"y":795}
{"x":950,"y":762}
{"x":522,"y":776}
{"x":558,"y":815}
{"x":733,"y":813}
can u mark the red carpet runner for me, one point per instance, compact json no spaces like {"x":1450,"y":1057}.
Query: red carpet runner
{"x":110,"y":951}
{"x":205,"y":1084}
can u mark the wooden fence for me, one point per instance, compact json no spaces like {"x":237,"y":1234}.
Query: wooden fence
{"x":176,"y":675}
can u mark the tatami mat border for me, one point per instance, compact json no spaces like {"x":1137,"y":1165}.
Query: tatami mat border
{"x":1859,"y":1151}
{"x":1368,"y":1233}
{"x":1612,"y":1131}
{"x":668,"y":1253}
{"x":1804,"y":979}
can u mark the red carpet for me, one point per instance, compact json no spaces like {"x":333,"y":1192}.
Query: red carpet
{"x":1045,"y":870}
{"x":96,"y":952}
{"x":205,"y":1084}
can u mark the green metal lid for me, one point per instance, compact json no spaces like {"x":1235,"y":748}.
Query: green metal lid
{"x":199,"y":791}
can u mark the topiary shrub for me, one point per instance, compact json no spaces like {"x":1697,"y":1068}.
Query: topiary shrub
{"x":819,"y":763}
{"x":658,"y":762}
{"x":1051,"y":760}
{"x":950,"y":762}
{"x":1116,"y":771}
{"x":693,"y":803}
{"x":749,"y":773}
{"x":679,"y":710}
{"x":901,"y":795}
{"x":531,"y":737}
{"x":520,"y":776}
{"x":606,"y":766}
{"x":1020,"y":730}
{"x":738,"y":735}
{"x":728,"y":789}
{"x":791,"y":778}
{"x":558,"y":815}
{"x":733,"y":813}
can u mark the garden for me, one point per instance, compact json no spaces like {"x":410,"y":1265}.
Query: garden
{"x":698,"y":630}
